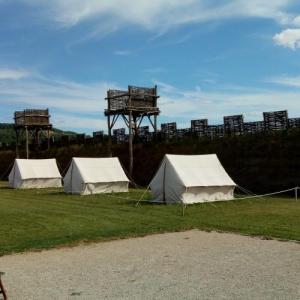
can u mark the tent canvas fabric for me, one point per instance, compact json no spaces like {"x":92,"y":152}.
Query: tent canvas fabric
{"x":191,"y":179}
{"x":95,"y":175}
{"x":35,"y":174}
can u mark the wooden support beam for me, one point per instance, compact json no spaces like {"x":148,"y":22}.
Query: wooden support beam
{"x":109,"y":152}
{"x":140,"y":122}
{"x":114,"y":120}
{"x":126,"y":121}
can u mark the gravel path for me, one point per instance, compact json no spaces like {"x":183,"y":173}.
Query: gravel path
{"x":186,"y":265}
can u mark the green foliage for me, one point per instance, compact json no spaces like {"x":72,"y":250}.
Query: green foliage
{"x":8,"y":135}
{"x":36,"y":219}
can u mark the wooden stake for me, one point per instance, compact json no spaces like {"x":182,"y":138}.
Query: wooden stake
{"x":183,"y":209}
{"x":296,"y":193}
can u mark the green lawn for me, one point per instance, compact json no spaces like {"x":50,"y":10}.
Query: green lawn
{"x":36,"y":219}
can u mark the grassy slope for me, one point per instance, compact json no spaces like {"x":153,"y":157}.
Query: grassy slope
{"x":35,"y":219}
{"x":8,"y":135}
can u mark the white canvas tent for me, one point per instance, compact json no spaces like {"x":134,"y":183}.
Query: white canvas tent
{"x":95,"y":175}
{"x":34,"y":174}
{"x":191,"y":179}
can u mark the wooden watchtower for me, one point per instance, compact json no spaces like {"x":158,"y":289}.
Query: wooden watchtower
{"x":32,"y":122}
{"x":133,"y":106}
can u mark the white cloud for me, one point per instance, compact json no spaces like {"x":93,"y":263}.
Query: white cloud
{"x":13,"y":74}
{"x":123,"y":52}
{"x":81,"y":104}
{"x":159,"y":14}
{"x":77,"y":123}
{"x":286,"y":80}
{"x":64,"y":95}
{"x":185,"y":105}
{"x":289,"y":38}
{"x":296,"y":21}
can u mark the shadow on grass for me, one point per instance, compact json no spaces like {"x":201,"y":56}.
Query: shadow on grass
{"x":5,"y":188}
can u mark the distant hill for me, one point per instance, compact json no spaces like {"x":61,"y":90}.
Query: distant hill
{"x":8,"y":136}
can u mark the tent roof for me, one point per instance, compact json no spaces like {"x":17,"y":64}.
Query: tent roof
{"x":37,"y":168}
{"x":94,"y":170}
{"x":200,"y":170}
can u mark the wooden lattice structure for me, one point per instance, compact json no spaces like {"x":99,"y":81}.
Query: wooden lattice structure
{"x":254,"y":127}
{"x":276,"y":120}
{"x":294,"y":123}
{"x":137,"y":103}
{"x":144,"y":134}
{"x":215,"y":131}
{"x":133,"y":106}
{"x":33,"y":123}
{"x":183,"y":133}
{"x":119,"y":135}
{"x":234,"y":125}
{"x":199,"y":127}
{"x":168,"y":130}
{"x":98,"y":136}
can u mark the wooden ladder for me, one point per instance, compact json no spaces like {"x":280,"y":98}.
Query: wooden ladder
{"x":2,"y":290}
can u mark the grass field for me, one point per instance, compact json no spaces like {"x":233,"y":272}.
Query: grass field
{"x":37,"y":219}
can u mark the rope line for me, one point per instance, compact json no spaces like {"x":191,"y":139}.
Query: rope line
{"x":269,"y":194}
{"x":240,"y":198}
{"x":141,"y":198}
{"x":247,"y":192}
{"x":130,"y":199}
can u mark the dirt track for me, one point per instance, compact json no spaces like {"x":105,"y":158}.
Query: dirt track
{"x":187,"y":265}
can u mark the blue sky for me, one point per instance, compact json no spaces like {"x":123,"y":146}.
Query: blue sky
{"x":209,"y":58}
